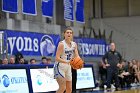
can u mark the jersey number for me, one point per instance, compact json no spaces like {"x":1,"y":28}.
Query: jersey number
{"x":68,"y":56}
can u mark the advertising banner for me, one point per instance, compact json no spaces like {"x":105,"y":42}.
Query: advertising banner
{"x":30,"y":43}
{"x":13,"y":81}
{"x":89,"y":47}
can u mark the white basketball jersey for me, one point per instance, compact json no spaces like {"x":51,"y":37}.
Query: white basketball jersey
{"x":68,"y":52}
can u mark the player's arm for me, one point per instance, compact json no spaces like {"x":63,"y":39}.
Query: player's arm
{"x":77,"y":55}
{"x":59,"y":52}
{"x":76,"y":51}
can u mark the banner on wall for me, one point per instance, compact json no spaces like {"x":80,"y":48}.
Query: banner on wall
{"x":68,"y":10}
{"x":29,"y":43}
{"x":39,"y":44}
{"x":29,"y":7}
{"x":1,"y":42}
{"x":80,"y":11}
{"x":47,"y":8}
{"x":10,"y":6}
{"x":3,"y":45}
{"x":90,"y":47}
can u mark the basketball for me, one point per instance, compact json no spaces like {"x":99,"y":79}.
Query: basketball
{"x":76,"y":63}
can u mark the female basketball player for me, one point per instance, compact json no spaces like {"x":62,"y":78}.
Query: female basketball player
{"x":66,"y":50}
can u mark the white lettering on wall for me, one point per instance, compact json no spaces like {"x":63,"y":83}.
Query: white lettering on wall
{"x":23,"y":44}
{"x":91,"y":49}
{"x":11,"y":43}
{"x":28,"y":44}
{"x":19,"y":43}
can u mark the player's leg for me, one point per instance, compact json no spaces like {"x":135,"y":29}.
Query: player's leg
{"x":68,"y":86}
{"x":59,"y":75}
{"x":62,"y":84}
{"x":68,"y":80}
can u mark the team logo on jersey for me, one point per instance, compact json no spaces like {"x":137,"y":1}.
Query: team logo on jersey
{"x":47,"y":46}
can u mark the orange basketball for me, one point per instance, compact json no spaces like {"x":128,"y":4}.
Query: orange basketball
{"x":76,"y":63}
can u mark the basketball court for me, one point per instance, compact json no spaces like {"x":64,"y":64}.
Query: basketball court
{"x":130,"y":90}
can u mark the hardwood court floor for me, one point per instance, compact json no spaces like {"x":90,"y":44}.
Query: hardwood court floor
{"x":126,"y":91}
{"x":130,"y":90}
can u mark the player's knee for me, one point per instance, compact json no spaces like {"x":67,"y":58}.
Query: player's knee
{"x":62,"y":88}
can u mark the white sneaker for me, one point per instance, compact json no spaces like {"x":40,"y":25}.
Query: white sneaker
{"x":105,"y":86}
{"x":133,"y":84}
{"x":112,"y":86}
